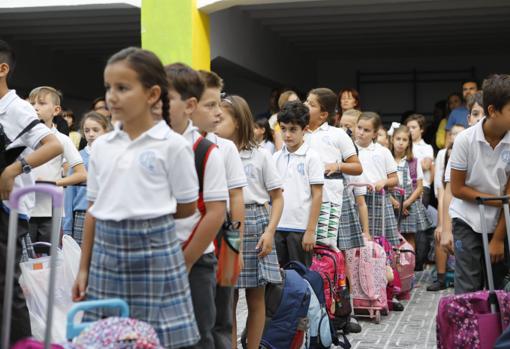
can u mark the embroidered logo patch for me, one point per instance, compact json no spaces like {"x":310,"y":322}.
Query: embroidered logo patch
{"x":249,"y":171}
{"x":301,"y":169}
{"x":505,"y":155}
{"x":147,"y":160}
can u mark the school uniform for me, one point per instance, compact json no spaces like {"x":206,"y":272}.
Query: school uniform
{"x":41,"y":216}
{"x":422,"y":150}
{"x":137,"y":255}
{"x":76,"y":204}
{"x":407,"y":223}
{"x":202,"y":276}
{"x":487,"y":171}
{"x":224,"y":299}
{"x":269,"y":146}
{"x":15,"y":115}
{"x":378,"y":163}
{"x":333,"y":146}
{"x":439,"y":171}
{"x":423,"y":218}
{"x":299,"y":171}
{"x":350,"y":232}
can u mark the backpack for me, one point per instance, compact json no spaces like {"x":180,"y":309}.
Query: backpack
{"x":413,"y":171}
{"x":8,"y":156}
{"x":287,"y":306}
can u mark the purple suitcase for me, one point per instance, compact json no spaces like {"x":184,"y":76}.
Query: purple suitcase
{"x":475,"y":320}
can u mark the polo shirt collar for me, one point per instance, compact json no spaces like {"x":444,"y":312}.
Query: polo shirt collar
{"x":159,"y":131}
{"x":420,"y":142}
{"x":246,"y":154}
{"x":189,"y":129}
{"x":301,"y":150}
{"x":324,"y":127}
{"x":9,"y":97}
{"x":370,"y":147}
{"x":480,"y":136}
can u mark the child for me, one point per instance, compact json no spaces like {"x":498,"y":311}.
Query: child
{"x":338,"y":154}
{"x":383,"y":138}
{"x":93,"y":125}
{"x":479,"y":163}
{"x":46,"y":102}
{"x":379,"y":169}
{"x":423,"y":152}
{"x":198,"y":231}
{"x":75,"y":136}
{"x":264,"y":186}
{"x":286,"y":96}
{"x":439,"y":186}
{"x":302,"y":172}
{"x":349,"y":121}
{"x":475,"y":107}
{"x":141,"y":176}
{"x":206,"y":118}
{"x":264,"y":134}
{"x":402,"y":149}
{"x":16,"y":116}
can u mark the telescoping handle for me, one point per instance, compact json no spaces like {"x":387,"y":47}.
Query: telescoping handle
{"x":372,"y":189}
{"x":14,"y":201}
{"x":402,"y":193}
{"x":481,"y":201}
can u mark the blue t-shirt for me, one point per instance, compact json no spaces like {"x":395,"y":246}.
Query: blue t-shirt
{"x":458,"y":116}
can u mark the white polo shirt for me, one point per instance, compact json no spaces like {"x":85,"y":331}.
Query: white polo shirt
{"x":143,"y":178}
{"x":439,"y":170}
{"x":261,"y":174}
{"x":15,"y":115}
{"x":215,"y":187}
{"x":298,"y":170}
{"x":52,"y":171}
{"x":233,"y":166}
{"x":487,"y":171}
{"x":422,"y":150}
{"x":333,"y":145}
{"x":377,"y":162}
{"x":400,"y":174}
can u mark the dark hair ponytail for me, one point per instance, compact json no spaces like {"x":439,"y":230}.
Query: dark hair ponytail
{"x":165,"y":108}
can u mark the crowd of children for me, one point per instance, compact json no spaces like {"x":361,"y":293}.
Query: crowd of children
{"x":171,"y":167}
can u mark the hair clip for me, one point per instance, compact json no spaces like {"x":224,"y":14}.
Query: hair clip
{"x":393,"y":127}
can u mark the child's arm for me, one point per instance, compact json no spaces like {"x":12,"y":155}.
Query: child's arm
{"x":390,"y":182}
{"x":463,"y":192}
{"x":185,"y":210}
{"x":415,"y":195}
{"x":78,"y":176}
{"x":265,"y":243}
{"x":205,"y":232}
{"x":351,"y":166}
{"x":50,"y":148}
{"x":363,"y":215}
{"x":89,"y":232}
{"x":439,"y":228}
{"x":497,"y":243}
{"x":446,"y":235}
{"x":313,"y":217}
{"x":237,"y":209}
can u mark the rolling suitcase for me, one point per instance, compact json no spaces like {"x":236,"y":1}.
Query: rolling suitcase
{"x":475,"y":320}
{"x":57,"y":202}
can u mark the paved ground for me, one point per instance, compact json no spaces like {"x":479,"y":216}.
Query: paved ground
{"x":414,"y":328}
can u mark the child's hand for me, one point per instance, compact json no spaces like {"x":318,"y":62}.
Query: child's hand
{"x":497,"y":250}
{"x":329,"y":169}
{"x":406,"y":204}
{"x":437,"y":234}
{"x":447,"y":242}
{"x":241,"y":261}
{"x":79,"y":287}
{"x":380,"y":185}
{"x":7,"y":182}
{"x":367,"y":236}
{"x":395,"y":203}
{"x":265,"y":244}
{"x":405,"y":212}
{"x":308,"y":241}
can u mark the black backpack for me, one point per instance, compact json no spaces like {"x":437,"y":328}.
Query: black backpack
{"x":7,"y":157}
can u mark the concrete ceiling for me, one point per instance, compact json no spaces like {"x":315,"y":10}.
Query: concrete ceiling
{"x":360,"y":28}
{"x":91,"y":31}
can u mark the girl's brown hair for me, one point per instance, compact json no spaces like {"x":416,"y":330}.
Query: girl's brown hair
{"x":240,"y":111}
{"x":99,"y":118}
{"x":409,"y":151}
{"x":374,"y":118}
{"x":327,"y":100}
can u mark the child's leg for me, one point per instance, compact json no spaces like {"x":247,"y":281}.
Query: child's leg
{"x":222,"y":331}
{"x":295,"y":249}
{"x":468,"y":258}
{"x":256,"y":316}
{"x":411,"y":238}
{"x":234,"y":323}
{"x":280,"y":241}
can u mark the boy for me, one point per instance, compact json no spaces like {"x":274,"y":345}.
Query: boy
{"x":206,"y":117}
{"x":15,"y":115}
{"x":46,"y":102}
{"x":302,"y":172}
{"x":479,"y":167}
{"x":198,"y":231}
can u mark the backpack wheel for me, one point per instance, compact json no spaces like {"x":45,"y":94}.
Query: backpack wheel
{"x":378,"y":317}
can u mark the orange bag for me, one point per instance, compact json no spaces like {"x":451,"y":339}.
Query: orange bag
{"x":227,"y":244}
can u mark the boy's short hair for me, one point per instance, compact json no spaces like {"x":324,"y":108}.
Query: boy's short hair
{"x":420,"y":119}
{"x":7,"y":56}
{"x":295,"y":113}
{"x":373,"y":117}
{"x":352,"y":112}
{"x":211,"y":79}
{"x":42,"y":91}
{"x":473,"y":99}
{"x":185,"y":80}
{"x":496,"y":92}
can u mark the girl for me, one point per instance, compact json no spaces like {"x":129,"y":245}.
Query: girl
{"x":380,"y":169}
{"x":286,"y":96}
{"x":75,"y":201}
{"x":264,"y":185}
{"x":383,"y":138}
{"x":75,"y":136}
{"x":141,"y":176}
{"x":264,"y":134}
{"x":402,"y":149}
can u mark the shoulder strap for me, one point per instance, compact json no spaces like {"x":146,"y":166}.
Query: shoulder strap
{"x":27,"y":128}
{"x":413,"y":170}
{"x":202,"y":149}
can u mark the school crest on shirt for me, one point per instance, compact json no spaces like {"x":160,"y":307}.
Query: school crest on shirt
{"x":249,"y":171}
{"x":148,"y":161}
{"x":301,"y":168}
{"x":326,"y":140}
{"x":505,"y":155}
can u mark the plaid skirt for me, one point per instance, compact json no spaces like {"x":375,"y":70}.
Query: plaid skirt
{"x":141,"y":262}
{"x":390,"y":226}
{"x":257,"y":272}
{"x":423,"y":220}
{"x":350,"y":233}
{"x":408,"y":223}
{"x":78,"y":223}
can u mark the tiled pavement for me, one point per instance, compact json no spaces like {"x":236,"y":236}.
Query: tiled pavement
{"x":413,"y":328}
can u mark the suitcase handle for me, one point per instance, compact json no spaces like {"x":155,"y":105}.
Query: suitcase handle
{"x":482,"y":200}
{"x":58,"y":198}
{"x":73,"y":330}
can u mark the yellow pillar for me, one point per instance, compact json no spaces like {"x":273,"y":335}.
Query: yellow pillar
{"x":177,"y":32}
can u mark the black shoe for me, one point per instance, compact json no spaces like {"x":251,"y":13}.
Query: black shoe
{"x":397,"y":306}
{"x":353,"y":327}
{"x":437,"y":286}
